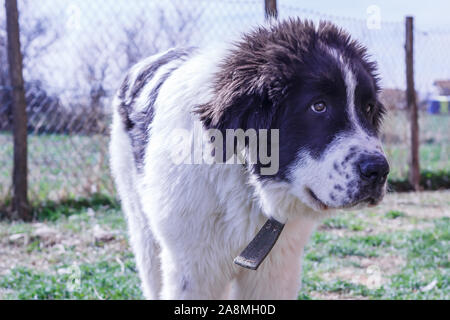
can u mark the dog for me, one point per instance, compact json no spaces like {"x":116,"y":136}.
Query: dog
{"x":312,"y":84}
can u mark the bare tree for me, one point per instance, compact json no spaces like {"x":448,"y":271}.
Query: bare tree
{"x":21,"y":208}
{"x":96,"y":76}
{"x":101,"y":65}
{"x":142,"y":39}
{"x":37,"y":38}
{"x":37,"y":35}
{"x":134,"y":46}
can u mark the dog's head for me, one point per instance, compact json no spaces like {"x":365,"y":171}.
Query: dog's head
{"x":317,"y":87}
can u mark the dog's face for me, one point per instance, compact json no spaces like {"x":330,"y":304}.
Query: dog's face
{"x":316,"y":86}
{"x":329,"y":148}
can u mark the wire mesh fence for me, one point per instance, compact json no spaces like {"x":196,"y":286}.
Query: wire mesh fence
{"x":77,"y":52}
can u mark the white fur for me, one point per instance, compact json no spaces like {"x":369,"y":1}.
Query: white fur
{"x":187,"y":222}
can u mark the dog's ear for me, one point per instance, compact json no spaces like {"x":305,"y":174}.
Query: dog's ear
{"x":248,"y":111}
{"x":250,"y":85}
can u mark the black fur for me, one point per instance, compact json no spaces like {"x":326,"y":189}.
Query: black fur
{"x":273,"y":75}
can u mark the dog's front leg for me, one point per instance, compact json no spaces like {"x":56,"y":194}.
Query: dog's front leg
{"x":191,"y":272}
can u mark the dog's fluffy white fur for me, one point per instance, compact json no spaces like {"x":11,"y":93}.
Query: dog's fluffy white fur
{"x":188,"y":222}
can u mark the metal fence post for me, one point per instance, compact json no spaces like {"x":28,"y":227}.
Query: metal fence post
{"x":414,"y":170}
{"x":21,"y":208}
{"x":270,"y":7}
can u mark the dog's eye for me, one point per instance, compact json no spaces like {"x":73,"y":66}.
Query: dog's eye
{"x":319,"y":107}
{"x":369,"y":108}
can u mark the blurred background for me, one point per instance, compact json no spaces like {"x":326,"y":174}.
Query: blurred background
{"x":74,"y":244}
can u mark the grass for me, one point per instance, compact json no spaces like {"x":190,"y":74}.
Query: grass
{"x":398,"y":250}
{"x":102,"y":280}
{"x":394,"y":214}
{"x":434,"y":139}
{"x":60,"y":166}
{"x":424,"y":255}
{"x":76,"y":265}
{"x":401,"y":253}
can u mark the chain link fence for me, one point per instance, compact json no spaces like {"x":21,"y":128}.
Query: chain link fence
{"x":77,"y":52}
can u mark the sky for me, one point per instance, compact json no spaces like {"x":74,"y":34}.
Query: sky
{"x":85,"y":25}
{"x":385,"y":42}
{"x":432,"y":14}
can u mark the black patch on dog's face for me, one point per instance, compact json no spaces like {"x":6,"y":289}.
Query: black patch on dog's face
{"x":273,"y":76}
{"x":302,"y":129}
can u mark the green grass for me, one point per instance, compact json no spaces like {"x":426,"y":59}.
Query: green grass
{"x":402,"y":244}
{"x":394,"y":214}
{"x":101,"y":280}
{"x":85,"y":269}
{"x":51,"y":210}
{"x":425,"y":255}
{"x":434,"y":137}
{"x":343,"y":223}
{"x":432,"y":158}
{"x":60,"y":167}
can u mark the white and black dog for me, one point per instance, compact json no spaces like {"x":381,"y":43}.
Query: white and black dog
{"x":187,"y":222}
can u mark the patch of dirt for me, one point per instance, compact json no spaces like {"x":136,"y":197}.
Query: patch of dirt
{"x":381,"y":225}
{"x":371,"y":277}
{"x":45,"y":246}
{"x":419,"y":209}
{"x":388,"y":265}
{"x":424,"y":205}
{"x":373,"y":272}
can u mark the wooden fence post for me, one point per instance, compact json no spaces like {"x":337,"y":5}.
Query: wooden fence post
{"x":414,"y":169}
{"x":21,"y":208}
{"x":271,"y":10}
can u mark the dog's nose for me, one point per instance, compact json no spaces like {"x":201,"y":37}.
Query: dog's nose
{"x":374,"y":169}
